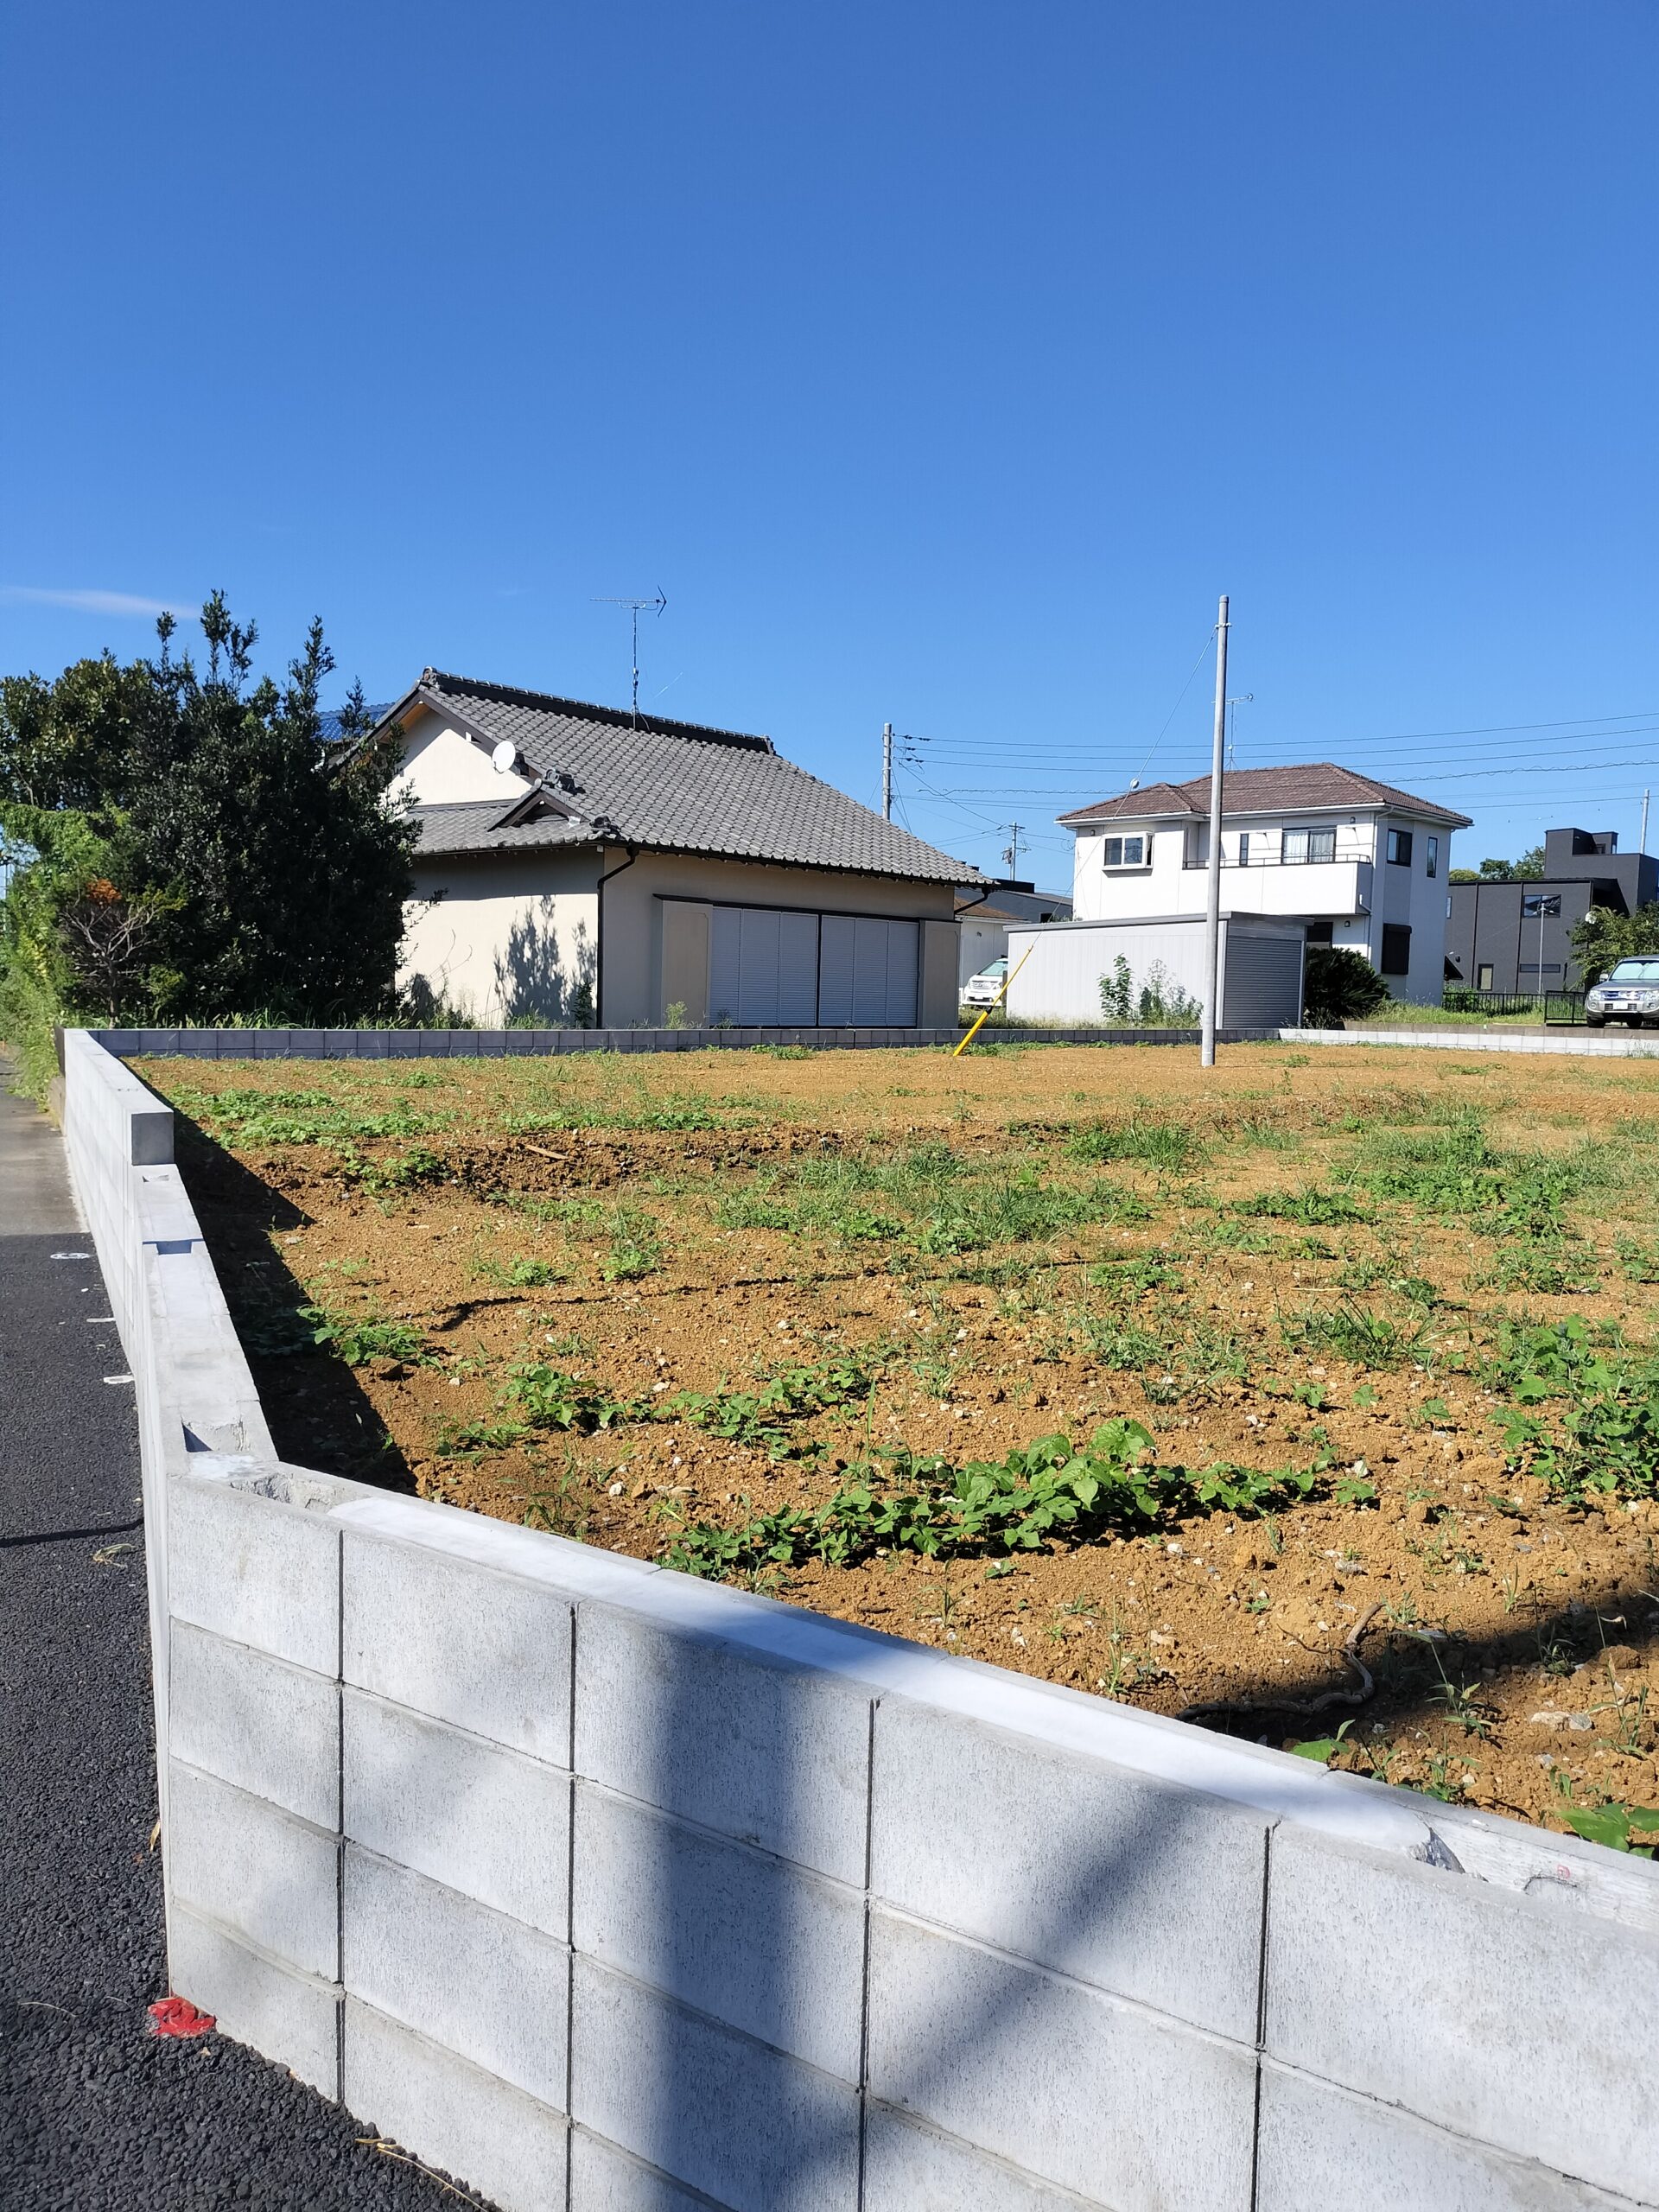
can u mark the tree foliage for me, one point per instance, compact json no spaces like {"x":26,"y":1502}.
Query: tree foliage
{"x":1530,"y":868}
{"x":184,"y":848}
{"x":1338,"y":985}
{"x":1605,"y":937}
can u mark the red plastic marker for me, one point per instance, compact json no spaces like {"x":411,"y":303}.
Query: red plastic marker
{"x":177,"y":2016}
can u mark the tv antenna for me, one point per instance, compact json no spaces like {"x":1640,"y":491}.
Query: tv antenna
{"x":636,"y":608}
{"x":1244,"y":699}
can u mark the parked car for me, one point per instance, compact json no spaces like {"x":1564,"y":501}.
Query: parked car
{"x":981,"y":989}
{"x":1630,"y":993}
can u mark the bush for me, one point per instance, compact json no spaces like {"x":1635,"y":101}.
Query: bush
{"x":1160,"y":1003}
{"x":1339,"y":986}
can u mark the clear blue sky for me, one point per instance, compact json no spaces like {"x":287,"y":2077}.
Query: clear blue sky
{"x":940,"y":361}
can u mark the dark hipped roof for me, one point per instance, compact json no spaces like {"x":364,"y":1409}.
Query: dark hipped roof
{"x":1308,"y":788}
{"x":676,"y":786}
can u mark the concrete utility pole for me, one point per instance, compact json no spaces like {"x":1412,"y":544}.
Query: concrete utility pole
{"x":886,"y":772}
{"x":1011,"y":850}
{"x":1641,"y":842}
{"x":1212,"y":900}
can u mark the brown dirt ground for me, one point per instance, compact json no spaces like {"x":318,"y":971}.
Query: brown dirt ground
{"x":1514,"y":1642}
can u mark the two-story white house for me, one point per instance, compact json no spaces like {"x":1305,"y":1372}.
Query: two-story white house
{"x":1350,"y":861}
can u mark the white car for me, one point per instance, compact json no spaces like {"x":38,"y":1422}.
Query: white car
{"x":1630,"y":993}
{"x":981,"y":989}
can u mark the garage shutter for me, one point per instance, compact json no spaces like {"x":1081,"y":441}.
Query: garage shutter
{"x":769,"y":967}
{"x":867,"y":978}
{"x":763,"y":966}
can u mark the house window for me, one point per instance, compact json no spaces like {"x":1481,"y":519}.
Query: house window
{"x":1124,"y":852}
{"x":1396,"y":949}
{"x":1305,"y":845}
{"x":1399,"y":847}
{"x":1434,"y":855}
{"x":1320,"y":932}
{"x":1243,"y":848}
{"x":1483,"y":976}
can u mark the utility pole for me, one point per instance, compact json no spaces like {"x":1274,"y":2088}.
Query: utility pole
{"x":1641,"y":842}
{"x":1011,"y":850}
{"x":1212,"y":900}
{"x":886,"y":772}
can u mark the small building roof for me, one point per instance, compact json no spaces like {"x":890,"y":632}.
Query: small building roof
{"x":1311,"y":787}
{"x":603,"y":777}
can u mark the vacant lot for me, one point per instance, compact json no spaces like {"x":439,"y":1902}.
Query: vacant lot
{"x":1324,"y":1389}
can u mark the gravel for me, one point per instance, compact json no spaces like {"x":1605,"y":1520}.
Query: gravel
{"x":95,"y":2111}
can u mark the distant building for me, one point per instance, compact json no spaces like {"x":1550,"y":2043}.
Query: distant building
{"x":1350,"y":861}
{"x":1492,"y":935}
{"x":578,"y":864}
{"x":984,"y":918}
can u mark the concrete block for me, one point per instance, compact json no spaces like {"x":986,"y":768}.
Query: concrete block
{"x":269,"y":1727}
{"x":257,"y":1571}
{"x":1132,"y":1884}
{"x":772,"y":1754}
{"x":605,"y":2179}
{"x":710,"y":2108}
{"x":751,"y":1939}
{"x":487,"y":1651}
{"x":1325,"y":2150}
{"x":481,"y":1985}
{"x":1121,"y":2105}
{"x":287,"y":2016}
{"x":490,"y":2138}
{"x":1513,"y":2019}
{"x":489,"y":1822}
{"x":911,"y":2168}
{"x":257,"y":1871}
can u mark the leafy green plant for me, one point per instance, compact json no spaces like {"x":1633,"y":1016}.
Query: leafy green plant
{"x":1164,"y":1145}
{"x":1316,"y":1209}
{"x":636,"y":1248}
{"x":359,"y":1337}
{"x":522,"y":1273}
{"x":1615,"y":1825}
{"x":1352,"y":1332}
{"x":549,"y":1398}
{"x":1050,"y":1491}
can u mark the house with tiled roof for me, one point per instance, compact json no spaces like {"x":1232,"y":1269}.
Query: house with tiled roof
{"x":581,"y":864}
{"x":1346,"y":859}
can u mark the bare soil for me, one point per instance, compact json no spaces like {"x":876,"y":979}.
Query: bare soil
{"x":538,"y":1212}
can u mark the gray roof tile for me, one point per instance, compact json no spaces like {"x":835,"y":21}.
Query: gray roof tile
{"x":482,"y":826}
{"x":1312,"y":784}
{"x":674,"y":786}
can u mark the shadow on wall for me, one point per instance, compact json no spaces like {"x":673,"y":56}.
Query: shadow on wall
{"x":535,"y":982}
{"x":318,"y":1412}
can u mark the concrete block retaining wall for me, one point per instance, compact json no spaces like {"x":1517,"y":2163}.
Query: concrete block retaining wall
{"x":510,"y":1044}
{"x":601,"y":1887}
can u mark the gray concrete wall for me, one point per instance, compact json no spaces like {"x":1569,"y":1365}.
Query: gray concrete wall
{"x":601,"y":1887}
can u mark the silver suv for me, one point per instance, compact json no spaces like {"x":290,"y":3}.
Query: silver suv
{"x":1630,"y":993}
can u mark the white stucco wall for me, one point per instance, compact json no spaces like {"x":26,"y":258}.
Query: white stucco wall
{"x":503,"y":935}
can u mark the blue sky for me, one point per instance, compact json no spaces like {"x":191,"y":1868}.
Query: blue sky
{"x":940,"y":362}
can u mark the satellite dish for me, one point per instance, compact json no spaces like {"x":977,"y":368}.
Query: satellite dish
{"x":505,"y":759}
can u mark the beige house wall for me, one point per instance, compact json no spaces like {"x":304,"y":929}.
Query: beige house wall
{"x":443,"y":766}
{"x":503,"y":935}
{"x":657,"y":954}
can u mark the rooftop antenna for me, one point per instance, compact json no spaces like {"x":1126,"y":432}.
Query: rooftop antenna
{"x":1244,"y":699}
{"x":636,"y":608}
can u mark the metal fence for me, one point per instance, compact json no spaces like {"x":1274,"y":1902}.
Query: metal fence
{"x":1564,"y":1007}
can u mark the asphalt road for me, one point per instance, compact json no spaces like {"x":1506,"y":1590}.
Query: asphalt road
{"x":96,"y":2112}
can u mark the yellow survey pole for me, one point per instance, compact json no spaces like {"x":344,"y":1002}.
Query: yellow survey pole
{"x":995,"y":1003}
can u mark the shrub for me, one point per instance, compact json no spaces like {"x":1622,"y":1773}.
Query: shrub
{"x":1339,"y":986}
